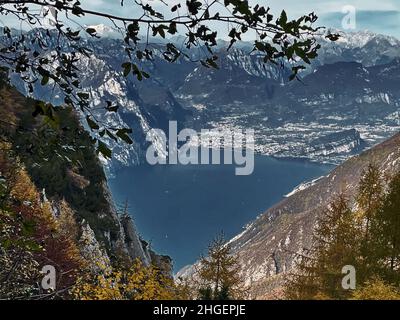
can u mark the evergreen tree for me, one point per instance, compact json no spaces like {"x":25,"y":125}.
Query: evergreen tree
{"x":219,"y":272}
{"x":223,"y":294}
{"x":370,"y":194}
{"x":319,"y":275}
{"x":369,"y":200}
{"x":386,"y":233}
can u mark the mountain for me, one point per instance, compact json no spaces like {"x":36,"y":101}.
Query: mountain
{"x":365,"y":47}
{"x":349,"y":93}
{"x":268,"y":246}
{"x":143,"y":105}
{"x":104,"y":31}
{"x":346,"y":101}
{"x":63,"y":165}
{"x":240,"y":76}
{"x":356,"y":104}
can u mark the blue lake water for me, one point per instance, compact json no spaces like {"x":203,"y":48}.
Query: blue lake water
{"x":180,"y":208}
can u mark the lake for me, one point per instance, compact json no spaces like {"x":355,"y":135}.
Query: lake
{"x":179,"y":209}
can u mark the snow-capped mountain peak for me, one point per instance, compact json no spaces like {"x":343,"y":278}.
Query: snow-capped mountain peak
{"x":105,"y":31}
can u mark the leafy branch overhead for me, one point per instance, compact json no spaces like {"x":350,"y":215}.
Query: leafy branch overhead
{"x":51,"y":58}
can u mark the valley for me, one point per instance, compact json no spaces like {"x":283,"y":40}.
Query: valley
{"x":269,"y":247}
{"x":199,"y":151}
{"x":346,"y":101}
{"x":179,"y":209}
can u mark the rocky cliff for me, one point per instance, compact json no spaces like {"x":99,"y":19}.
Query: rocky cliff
{"x":61,"y":161}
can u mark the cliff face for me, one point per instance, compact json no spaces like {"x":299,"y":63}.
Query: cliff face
{"x":267,"y":247}
{"x":62,"y":162}
{"x":137,"y":248}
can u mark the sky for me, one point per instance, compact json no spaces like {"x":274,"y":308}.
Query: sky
{"x":377,"y":16}
{"x":381,"y":16}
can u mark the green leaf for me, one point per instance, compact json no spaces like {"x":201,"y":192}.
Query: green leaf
{"x":127,"y":66}
{"x":91,"y":31}
{"x":104,"y":150}
{"x":92,"y":124}
{"x":283,"y":19}
{"x":123,"y":134}
{"x":83,"y":95}
{"x":112,"y":108}
{"x":175,"y":7}
{"x":139,"y":74}
{"x":77,"y":10}
{"x":45,"y":80}
{"x":211,"y":62}
{"x":193,"y":6}
{"x":111,"y":135}
{"x":172,"y":28}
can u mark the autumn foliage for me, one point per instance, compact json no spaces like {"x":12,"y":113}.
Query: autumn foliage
{"x":35,"y":232}
{"x":31,"y":237}
{"x":365,"y":235}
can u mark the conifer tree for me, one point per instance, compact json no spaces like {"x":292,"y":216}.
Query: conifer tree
{"x":370,"y":194}
{"x":206,"y":293}
{"x":386,"y":233}
{"x":369,"y":200}
{"x":219,"y":273}
{"x":319,"y":275}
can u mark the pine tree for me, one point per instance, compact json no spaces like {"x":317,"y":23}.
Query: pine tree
{"x":386,"y":233}
{"x":186,"y":288}
{"x":370,"y":194}
{"x":369,"y":200}
{"x":220,"y":272}
{"x":224,"y":293}
{"x":319,"y":274}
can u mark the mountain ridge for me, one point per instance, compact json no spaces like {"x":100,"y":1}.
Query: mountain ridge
{"x":63,"y":165}
{"x":245,"y":91}
{"x":269,"y":246}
